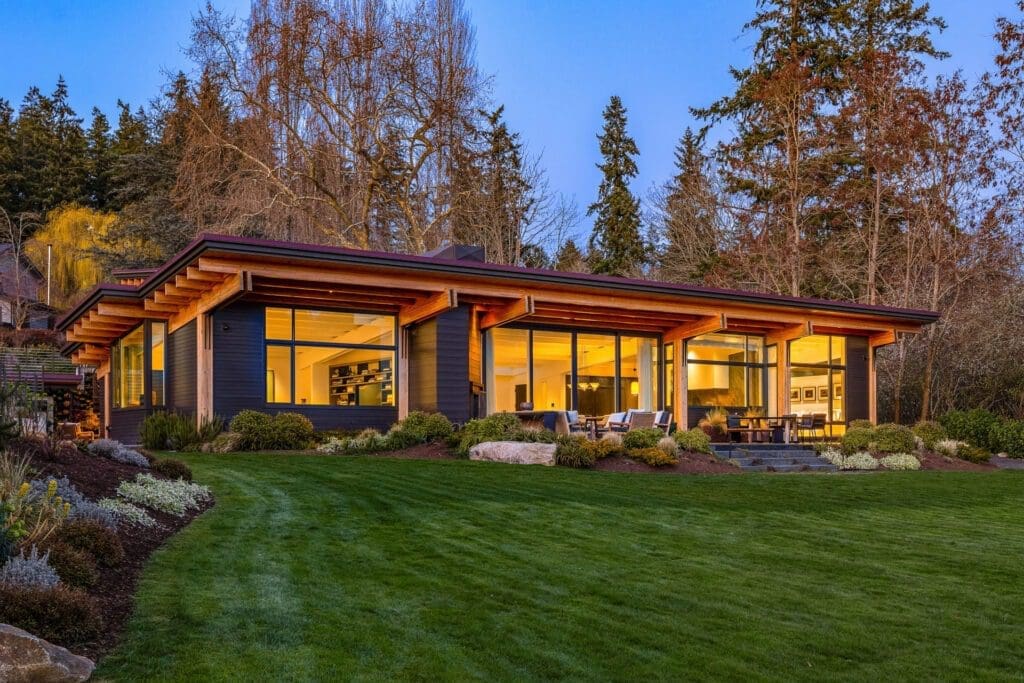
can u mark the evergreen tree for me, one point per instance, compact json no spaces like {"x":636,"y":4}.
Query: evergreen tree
{"x":33,"y":140}
{"x":100,"y":161}
{"x":615,"y":243}
{"x":569,"y":258}
{"x":688,"y":221}
{"x":8,"y":168}
{"x":67,"y":166}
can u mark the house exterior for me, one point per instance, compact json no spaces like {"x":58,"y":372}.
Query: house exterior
{"x":20,"y":284}
{"x":356,"y":339}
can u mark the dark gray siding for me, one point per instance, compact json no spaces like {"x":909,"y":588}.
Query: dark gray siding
{"x":239,"y":379}
{"x":181,"y":369}
{"x":454,"y":398}
{"x":125,"y":424}
{"x":857,"y":386}
{"x":439,"y":365}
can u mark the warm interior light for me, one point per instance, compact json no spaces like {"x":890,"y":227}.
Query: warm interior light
{"x":634,"y":388}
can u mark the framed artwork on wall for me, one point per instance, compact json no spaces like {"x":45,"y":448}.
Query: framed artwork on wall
{"x":822,"y":393}
{"x":837,"y":391}
{"x":794,"y":395}
{"x":808,"y":394}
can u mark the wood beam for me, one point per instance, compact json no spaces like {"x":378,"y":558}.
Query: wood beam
{"x":233,"y":287}
{"x":183,"y":282}
{"x":171,"y":299}
{"x":705,"y":325}
{"x":133,"y":311}
{"x":196,"y":275}
{"x":428,"y":308}
{"x":789,"y":333}
{"x":153,"y":307}
{"x":519,"y":308}
{"x":184,"y":292}
{"x":882,"y":339}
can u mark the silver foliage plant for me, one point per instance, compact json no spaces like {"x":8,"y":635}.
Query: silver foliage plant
{"x":33,"y":571}
{"x":81,"y":507}
{"x":118,"y":452}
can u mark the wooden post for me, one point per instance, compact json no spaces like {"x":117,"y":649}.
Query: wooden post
{"x":782,"y":377}
{"x":204,"y":366}
{"x":680,"y":401}
{"x":403,"y":372}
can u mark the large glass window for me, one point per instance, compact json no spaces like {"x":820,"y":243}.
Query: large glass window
{"x":638,"y":387}
{"x":595,"y":377}
{"x":157,"y":363}
{"x":508,"y":369}
{"x":330,"y":358}
{"x":129,"y":369}
{"x":552,"y":370}
{"x":593,"y":373}
{"x":817,"y":377}
{"x":726,"y":370}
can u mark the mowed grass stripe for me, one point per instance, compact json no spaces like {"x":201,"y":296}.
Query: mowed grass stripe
{"x":313,"y":568}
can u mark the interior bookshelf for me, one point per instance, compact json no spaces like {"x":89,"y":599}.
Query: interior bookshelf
{"x":367,"y":383}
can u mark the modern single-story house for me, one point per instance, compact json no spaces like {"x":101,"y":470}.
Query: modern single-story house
{"x":356,"y":338}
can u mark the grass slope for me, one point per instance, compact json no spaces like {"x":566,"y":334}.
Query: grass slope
{"x":330,"y":568}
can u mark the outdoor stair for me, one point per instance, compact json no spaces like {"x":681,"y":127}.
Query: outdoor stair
{"x":772,"y":457}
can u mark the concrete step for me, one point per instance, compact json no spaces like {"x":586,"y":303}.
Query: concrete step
{"x":789,"y":460}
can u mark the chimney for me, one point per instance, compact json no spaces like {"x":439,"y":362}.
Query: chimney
{"x":459,"y":252}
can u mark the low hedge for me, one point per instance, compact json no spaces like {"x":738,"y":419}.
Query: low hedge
{"x":893,"y":438}
{"x":92,"y":537}
{"x":75,"y":567}
{"x":284,"y":431}
{"x":654,"y":456}
{"x":172,"y":468}
{"x":497,"y":427}
{"x":1007,"y":436}
{"x":647,"y":437}
{"x":973,"y":426}
{"x":575,"y":451}
{"x":61,"y":615}
{"x":929,"y":432}
{"x":693,"y":440}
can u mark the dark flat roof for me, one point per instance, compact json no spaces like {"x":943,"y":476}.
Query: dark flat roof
{"x":342,"y":255}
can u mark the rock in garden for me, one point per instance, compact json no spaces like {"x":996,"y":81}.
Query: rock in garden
{"x":514,"y":452}
{"x":24,"y":657}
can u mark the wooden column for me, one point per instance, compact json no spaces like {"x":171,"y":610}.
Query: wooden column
{"x":204,"y":366}
{"x":875,"y":341}
{"x":403,"y":373}
{"x":680,"y":401}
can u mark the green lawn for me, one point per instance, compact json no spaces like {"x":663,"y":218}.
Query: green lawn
{"x":314,"y":568}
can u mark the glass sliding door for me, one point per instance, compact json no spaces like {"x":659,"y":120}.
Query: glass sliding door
{"x":552,"y":370}
{"x":595,"y":376}
{"x":638,"y":372}
{"x":817,"y":378}
{"x":508,"y":369}
{"x":726,"y":371}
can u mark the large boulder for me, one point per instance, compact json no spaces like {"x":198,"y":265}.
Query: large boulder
{"x":24,"y":657}
{"x":514,"y":452}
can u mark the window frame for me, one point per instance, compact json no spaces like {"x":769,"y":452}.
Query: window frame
{"x":747,"y":365}
{"x":574,"y":369}
{"x":147,"y":368}
{"x":293,"y":343}
{"x":830,"y":369}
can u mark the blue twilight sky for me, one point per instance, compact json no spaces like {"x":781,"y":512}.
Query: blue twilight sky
{"x":554,"y":64}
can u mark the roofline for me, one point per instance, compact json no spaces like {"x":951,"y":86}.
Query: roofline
{"x":357,"y":257}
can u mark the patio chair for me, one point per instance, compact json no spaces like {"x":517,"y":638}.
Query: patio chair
{"x":663,"y":420}
{"x":733,"y":425}
{"x":818,"y":423}
{"x":619,"y":422}
{"x":575,"y":426}
{"x":641,"y":420}
{"x":804,"y":426}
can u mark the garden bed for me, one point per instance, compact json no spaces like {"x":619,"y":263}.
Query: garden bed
{"x":934,"y":461}
{"x":689,"y":463}
{"x":114,"y":591}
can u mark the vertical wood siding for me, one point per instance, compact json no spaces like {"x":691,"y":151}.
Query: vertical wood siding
{"x":857,"y":385}
{"x":181,"y":369}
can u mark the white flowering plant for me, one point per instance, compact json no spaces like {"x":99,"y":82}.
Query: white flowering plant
{"x":127,"y":513}
{"x":901,"y":461}
{"x":173,"y":497}
{"x":861,"y":460}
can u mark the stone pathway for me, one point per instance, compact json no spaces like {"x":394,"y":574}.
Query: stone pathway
{"x":1007,"y":463}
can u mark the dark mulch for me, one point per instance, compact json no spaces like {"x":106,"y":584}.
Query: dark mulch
{"x":934,"y":461}
{"x":97,"y":478}
{"x":689,"y":463}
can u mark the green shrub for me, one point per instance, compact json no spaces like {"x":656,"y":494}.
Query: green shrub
{"x":253,"y":429}
{"x":210,"y":428}
{"x":861,"y":424}
{"x":225,"y":442}
{"x":654,"y":456}
{"x":75,"y":567}
{"x":972,"y":426}
{"x":419,"y":427}
{"x":972,"y":453}
{"x":92,"y":537}
{"x":694,"y":440}
{"x":1007,"y":436}
{"x":290,"y":431}
{"x":178,"y":432}
{"x":647,"y":437}
{"x":171,"y":468}
{"x":929,"y":432}
{"x":61,"y":615}
{"x":901,"y":461}
{"x":609,"y":446}
{"x":575,"y":451}
{"x":285,"y":431}
{"x":858,"y":439}
{"x":893,"y":438}
{"x":497,"y":427}
{"x":154,"y":431}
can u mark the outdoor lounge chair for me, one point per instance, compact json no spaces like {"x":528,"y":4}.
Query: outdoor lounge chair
{"x":641,"y":420}
{"x":663,"y":420}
